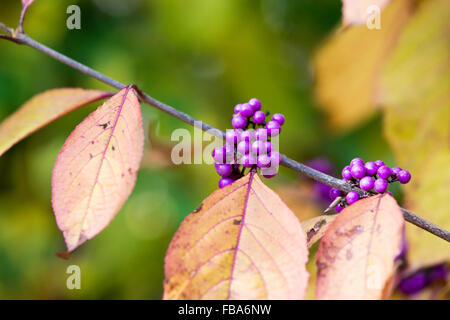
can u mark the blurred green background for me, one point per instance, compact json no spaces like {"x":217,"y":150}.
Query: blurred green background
{"x":201,"y":56}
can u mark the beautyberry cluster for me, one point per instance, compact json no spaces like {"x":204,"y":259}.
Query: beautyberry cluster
{"x":249,"y":144}
{"x":373,"y":177}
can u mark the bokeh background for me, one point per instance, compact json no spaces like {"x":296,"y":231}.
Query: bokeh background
{"x":203,"y":57}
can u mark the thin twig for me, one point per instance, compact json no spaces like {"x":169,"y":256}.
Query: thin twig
{"x":22,"y":38}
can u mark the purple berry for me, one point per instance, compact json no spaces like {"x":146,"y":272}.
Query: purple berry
{"x":246,"y":110}
{"x":243,"y":147}
{"x":352,"y":197}
{"x":357,"y":161}
{"x":248,"y":160}
{"x":263,"y":161}
{"x":238,"y":122}
{"x":258,"y":147}
{"x":358,"y":171}
{"x":371,"y":168}
{"x":334,"y":193}
{"x":224,"y":170}
{"x":259,"y":117}
{"x":395,"y":171}
{"x":384,"y":172}
{"x":261,"y":134}
{"x":237,"y":108}
{"x":247,"y":136}
{"x":366,"y":183}
{"x":379,"y":163}
{"x":346,"y":174}
{"x":255,"y":104}
{"x":338,"y":208}
{"x":404,"y":176}
{"x":219,"y":154}
{"x":380,"y":185}
{"x":273,"y":128}
{"x":232,"y":136}
{"x":223,"y":182}
{"x":278,"y":117}
{"x":439,"y":272}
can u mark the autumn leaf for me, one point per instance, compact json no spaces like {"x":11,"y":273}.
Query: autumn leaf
{"x":416,"y":99}
{"x":348,"y":66}
{"x":315,"y":228}
{"x":355,"y":259}
{"x":242,"y":242}
{"x":41,"y":110}
{"x":356,"y":12}
{"x":96,"y":168}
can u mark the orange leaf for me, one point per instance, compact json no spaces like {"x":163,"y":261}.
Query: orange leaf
{"x":355,"y":259}
{"x":96,"y":168}
{"x":242,"y":242}
{"x":316,"y":227}
{"x":43,"y":109}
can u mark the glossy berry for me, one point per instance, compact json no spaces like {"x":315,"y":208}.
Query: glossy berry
{"x":261,"y":134}
{"x":237,"y":108}
{"x":247,"y":135}
{"x":366,"y":183}
{"x":352,"y":197}
{"x":232,"y":136}
{"x":380,"y":185}
{"x":255,"y":104}
{"x":223,"y":182}
{"x":275,"y":158}
{"x":268,"y":146}
{"x":259,"y":117}
{"x":379,"y":163}
{"x":371,"y":168}
{"x":357,"y":161}
{"x":346,"y":174}
{"x":338,"y":208}
{"x":358,"y":171}
{"x":263,"y":161}
{"x":273,"y":128}
{"x":243,"y":147}
{"x":404,"y":176}
{"x":224,"y":170}
{"x":238,"y":122}
{"x":278,"y":117}
{"x":334,"y":193}
{"x":219,"y":154}
{"x":384,"y":172}
{"x":247,"y":110}
{"x":248,"y":160}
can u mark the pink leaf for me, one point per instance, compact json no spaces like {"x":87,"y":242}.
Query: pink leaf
{"x":96,"y":168}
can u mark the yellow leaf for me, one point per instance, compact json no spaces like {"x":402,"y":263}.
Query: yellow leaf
{"x":416,"y":98}
{"x":242,"y":242}
{"x":347,"y":67}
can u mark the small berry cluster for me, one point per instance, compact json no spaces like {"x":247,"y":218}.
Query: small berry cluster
{"x":373,"y":177}
{"x":248,"y":144}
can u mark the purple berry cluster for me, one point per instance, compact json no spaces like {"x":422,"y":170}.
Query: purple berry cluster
{"x":373,"y":177}
{"x":249,"y":144}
